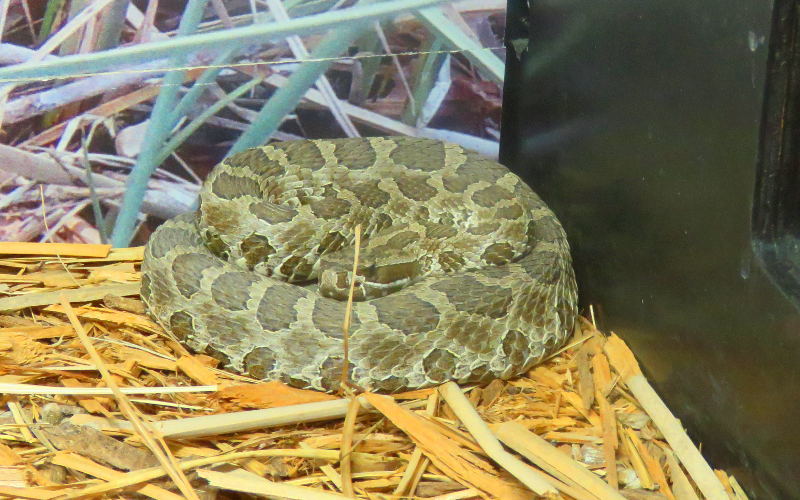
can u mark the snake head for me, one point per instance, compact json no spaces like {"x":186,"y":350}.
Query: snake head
{"x":372,"y":280}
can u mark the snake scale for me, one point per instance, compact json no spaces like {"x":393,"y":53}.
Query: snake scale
{"x":464,"y":273}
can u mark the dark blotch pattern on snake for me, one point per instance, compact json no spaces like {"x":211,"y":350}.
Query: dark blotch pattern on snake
{"x":464,"y":273}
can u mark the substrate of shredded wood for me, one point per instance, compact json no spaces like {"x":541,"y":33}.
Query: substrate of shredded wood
{"x":66,"y":434}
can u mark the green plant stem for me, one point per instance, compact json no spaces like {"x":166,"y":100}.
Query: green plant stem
{"x":286,"y":98}
{"x":161,"y":122}
{"x":100,"y":221}
{"x":480,"y":56}
{"x":190,"y":98}
{"x":111,"y":60}
{"x":50,"y":13}
{"x":425,"y":76}
{"x":71,"y":44}
{"x":177,"y":139}
{"x":112,"y":25}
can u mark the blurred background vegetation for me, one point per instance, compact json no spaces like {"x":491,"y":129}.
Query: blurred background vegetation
{"x":113,"y":111}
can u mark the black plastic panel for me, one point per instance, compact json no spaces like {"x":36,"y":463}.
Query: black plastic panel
{"x":640,"y":123}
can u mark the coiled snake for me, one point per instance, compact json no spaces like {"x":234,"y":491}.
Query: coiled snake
{"x":464,"y":274}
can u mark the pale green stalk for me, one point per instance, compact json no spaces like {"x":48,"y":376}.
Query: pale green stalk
{"x":178,"y":138}
{"x":286,"y":98}
{"x":112,"y":60}
{"x":480,"y":56}
{"x":161,"y":122}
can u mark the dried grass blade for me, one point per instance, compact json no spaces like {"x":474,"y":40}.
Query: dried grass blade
{"x":348,"y":311}
{"x":145,"y":475}
{"x":6,"y":388}
{"x":481,"y":56}
{"x":286,"y":98}
{"x":181,"y":136}
{"x":83,"y":294}
{"x":31,"y":493}
{"x":145,"y":432}
{"x":256,"y":419}
{"x":333,"y":476}
{"x":417,"y":463}
{"x":217,"y":39}
{"x":160,"y":123}
{"x":680,"y":483}
{"x":609,"y":423}
{"x":346,"y":447}
{"x":623,"y":360}
{"x":637,"y":462}
{"x":246,"y":482}
{"x":468,"y":494}
{"x":52,"y":42}
{"x":300,"y":52}
{"x":652,"y":465}
{"x":87,"y":466}
{"x":546,"y":456}
{"x":455,"y":461}
{"x":54,"y":249}
{"x":483,"y":435}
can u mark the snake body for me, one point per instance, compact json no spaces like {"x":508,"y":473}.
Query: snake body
{"x":464,"y":273}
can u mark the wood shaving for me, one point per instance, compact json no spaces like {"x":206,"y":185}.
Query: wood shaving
{"x":573,"y":422}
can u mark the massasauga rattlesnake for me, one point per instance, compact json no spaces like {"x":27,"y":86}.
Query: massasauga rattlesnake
{"x":464,"y":274}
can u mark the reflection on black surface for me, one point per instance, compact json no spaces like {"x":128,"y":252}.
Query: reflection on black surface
{"x":643,"y":136}
{"x":776,"y":208}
